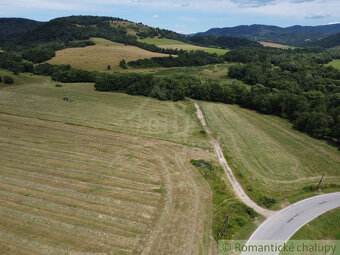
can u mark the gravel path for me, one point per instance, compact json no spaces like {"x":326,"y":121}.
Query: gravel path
{"x":241,"y":194}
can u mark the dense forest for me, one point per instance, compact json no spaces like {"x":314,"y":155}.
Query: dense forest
{"x":184,"y":58}
{"x":292,"y":84}
{"x":327,"y":42}
{"x":11,"y":29}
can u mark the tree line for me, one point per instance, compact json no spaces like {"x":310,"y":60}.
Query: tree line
{"x":184,"y":58}
{"x":294,"y":85}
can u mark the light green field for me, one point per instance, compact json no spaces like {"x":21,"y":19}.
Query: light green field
{"x":99,"y":169}
{"x":216,"y":72}
{"x":99,"y":56}
{"x":335,"y":63}
{"x":136,"y":115}
{"x":268,"y":157}
{"x":174,"y":44}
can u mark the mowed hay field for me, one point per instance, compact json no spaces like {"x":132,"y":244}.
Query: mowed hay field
{"x":37,"y":97}
{"x":274,"y":45}
{"x":270,"y":158}
{"x":99,"y":56}
{"x":68,"y":186}
{"x":174,"y":44}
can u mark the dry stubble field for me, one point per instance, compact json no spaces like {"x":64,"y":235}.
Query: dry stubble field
{"x":71,"y":187}
{"x":99,"y":56}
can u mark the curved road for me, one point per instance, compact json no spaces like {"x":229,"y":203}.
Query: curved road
{"x":285,"y":223}
{"x":280,"y":226}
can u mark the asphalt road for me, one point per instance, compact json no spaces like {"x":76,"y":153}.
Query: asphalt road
{"x":280,"y":227}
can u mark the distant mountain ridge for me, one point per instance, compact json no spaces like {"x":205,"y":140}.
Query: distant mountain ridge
{"x":294,"y":35}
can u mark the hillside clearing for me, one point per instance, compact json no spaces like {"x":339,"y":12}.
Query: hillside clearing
{"x":335,"y":63}
{"x":274,"y":45}
{"x":99,"y":56}
{"x":269,"y":158}
{"x":174,"y":44}
{"x":92,"y":170}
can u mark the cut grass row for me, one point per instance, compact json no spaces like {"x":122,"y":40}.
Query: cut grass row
{"x":135,"y":115}
{"x":270,"y":159}
{"x":103,"y":179}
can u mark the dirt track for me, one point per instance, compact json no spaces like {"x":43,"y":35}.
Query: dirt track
{"x":241,"y":194}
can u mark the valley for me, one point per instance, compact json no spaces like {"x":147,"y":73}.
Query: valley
{"x":191,"y":140}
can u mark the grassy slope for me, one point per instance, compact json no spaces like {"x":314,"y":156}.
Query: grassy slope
{"x":335,"y":63}
{"x":216,"y":72}
{"x":99,"y":56}
{"x":268,"y":157}
{"x":119,"y":112}
{"x":61,"y":184}
{"x":174,"y":44}
{"x":242,"y":221}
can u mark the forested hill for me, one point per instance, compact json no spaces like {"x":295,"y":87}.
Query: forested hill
{"x":13,"y":28}
{"x":294,"y":35}
{"x":327,"y":42}
{"x":66,"y":29}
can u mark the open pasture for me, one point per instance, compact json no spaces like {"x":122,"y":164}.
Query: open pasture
{"x":87,"y":177}
{"x":174,"y":44}
{"x":99,"y":56}
{"x":269,"y":158}
{"x":136,"y":115}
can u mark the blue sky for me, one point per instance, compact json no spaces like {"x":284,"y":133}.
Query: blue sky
{"x":185,"y":16}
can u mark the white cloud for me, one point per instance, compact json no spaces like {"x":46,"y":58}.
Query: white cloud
{"x":280,"y":8}
{"x":317,"y":16}
{"x":156,"y":16}
{"x":333,"y":23}
{"x":41,"y":4}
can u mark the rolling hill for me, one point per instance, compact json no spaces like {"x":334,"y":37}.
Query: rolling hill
{"x":294,"y":35}
{"x":66,"y":29}
{"x":327,"y":42}
{"x":13,"y":28}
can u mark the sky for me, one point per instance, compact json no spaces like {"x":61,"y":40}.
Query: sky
{"x":184,"y":16}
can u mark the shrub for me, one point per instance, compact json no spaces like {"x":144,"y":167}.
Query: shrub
{"x":241,"y":221}
{"x":58,"y":85}
{"x":8,"y":80}
{"x":122,"y":64}
{"x":0,"y":79}
{"x":266,"y":201}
